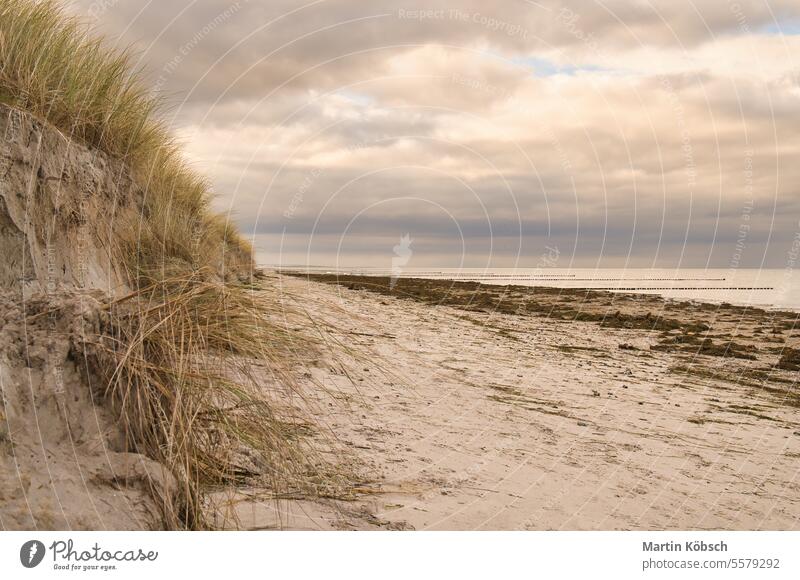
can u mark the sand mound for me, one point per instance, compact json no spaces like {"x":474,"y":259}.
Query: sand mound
{"x":63,"y":463}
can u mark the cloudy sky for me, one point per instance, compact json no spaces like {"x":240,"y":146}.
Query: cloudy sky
{"x":620,"y":133}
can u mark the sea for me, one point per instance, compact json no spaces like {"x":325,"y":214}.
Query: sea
{"x":766,"y":288}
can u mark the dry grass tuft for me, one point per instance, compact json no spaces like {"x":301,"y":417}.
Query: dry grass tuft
{"x":198,"y":376}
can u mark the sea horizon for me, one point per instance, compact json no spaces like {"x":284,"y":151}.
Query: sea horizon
{"x":770,"y":288}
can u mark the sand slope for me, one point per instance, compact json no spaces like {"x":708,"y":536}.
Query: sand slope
{"x":63,"y":463}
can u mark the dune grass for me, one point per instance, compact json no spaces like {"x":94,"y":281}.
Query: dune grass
{"x":52,"y":66}
{"x":184,"y":355}
{"x":184,"y":362}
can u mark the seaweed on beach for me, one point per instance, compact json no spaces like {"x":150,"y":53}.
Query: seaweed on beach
{"x":790,"y":359}
{"x":696,"y":345}
{"x":568,"y":304}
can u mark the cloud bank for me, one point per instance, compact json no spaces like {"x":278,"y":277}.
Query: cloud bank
{"x":638,"y":133}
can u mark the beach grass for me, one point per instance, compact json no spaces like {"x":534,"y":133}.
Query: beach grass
{"x":184,"y":355}
{"x":184,"y":362}
{"x":54,"y":67}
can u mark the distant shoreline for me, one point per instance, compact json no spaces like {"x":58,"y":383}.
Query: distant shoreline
{"x":652,"y":299}
{"x":770,"y":289}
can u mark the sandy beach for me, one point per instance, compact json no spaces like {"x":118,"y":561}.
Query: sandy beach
{"x":473,"y":415}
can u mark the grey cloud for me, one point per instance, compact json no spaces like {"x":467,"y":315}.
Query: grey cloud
{"x":184,"y":40}
{"x":620,"y":159}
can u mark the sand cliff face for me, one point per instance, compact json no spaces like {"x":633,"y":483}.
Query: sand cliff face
{"x":63,"y":461}
{"x":59,"y":205}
